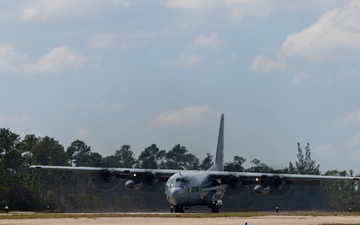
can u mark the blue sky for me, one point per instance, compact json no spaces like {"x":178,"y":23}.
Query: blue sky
{"x":137,"y":72}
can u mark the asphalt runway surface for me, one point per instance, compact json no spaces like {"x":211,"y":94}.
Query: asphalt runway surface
{"x":261,"y":220}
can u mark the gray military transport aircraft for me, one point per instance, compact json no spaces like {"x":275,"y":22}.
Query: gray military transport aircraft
{"x":191,"y":188}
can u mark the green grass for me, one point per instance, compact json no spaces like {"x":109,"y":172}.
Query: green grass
{"x":15,"y":215}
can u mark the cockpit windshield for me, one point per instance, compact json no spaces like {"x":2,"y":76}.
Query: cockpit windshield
{"x":178,"y":182}
{"x":182,"y":181}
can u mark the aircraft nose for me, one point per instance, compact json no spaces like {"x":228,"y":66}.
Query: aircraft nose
{"x":175,"y":196}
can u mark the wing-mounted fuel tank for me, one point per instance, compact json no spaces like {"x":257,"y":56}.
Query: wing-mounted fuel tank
{"x":105,"y":180}
{"x":133,"y":185}
{"x":147,"y":182}
{"x":273,"y":186}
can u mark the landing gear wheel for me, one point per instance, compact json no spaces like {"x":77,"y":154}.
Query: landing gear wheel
{"x":179,"y":209}
{"x":214,"y":208}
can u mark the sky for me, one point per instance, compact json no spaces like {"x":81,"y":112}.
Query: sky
{"x":132,"y":72}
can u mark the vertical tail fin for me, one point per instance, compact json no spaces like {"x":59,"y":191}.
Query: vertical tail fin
{"x":219,"y":155}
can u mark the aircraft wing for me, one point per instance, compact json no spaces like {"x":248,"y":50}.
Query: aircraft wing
{"x":160,"y":174}
{"x":247,"y":178}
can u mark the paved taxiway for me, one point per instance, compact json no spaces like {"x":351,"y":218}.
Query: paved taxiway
{"x":262,"y":220}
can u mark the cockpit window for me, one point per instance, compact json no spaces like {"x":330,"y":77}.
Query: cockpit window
{"x":182,"y":181}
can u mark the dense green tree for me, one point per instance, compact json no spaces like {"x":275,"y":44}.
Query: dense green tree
{"x":259,"y":167}
{"x":48,"y":151}
{"x":236,"y":164}
{"x":191,"y":162}
{"x":174,"y":159}
{"x":124,"y":157}
{"x":79,"y":153}
{"x":304,"y":165}
{"x":11,"y":158}
{"x":151,"y":158}
{"x":341,"y":194}
{"x":26,"y":147}
{"x":207,"y":162}
{"x":180,"y":158}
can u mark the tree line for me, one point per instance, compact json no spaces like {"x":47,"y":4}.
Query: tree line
{"x":68,"y":191}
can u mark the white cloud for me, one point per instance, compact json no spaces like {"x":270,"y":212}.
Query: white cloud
{"x":11,"y":120}
{"x":336,"y":32}
{"x":192,"y":5}
{"x":10,"y":60}
{"x":350,"y":118}
{"x":59,"y":59}
{"x":299,"y":78}
{"x":262,"y":64}
{"x":239,"y":9}
{"x":207,"y":41}
{"x":182,"y":116}
{"x":188,"y":60}
{"x":44,"y":9}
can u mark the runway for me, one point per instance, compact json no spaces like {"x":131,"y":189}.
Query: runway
{"x":261,"y":220}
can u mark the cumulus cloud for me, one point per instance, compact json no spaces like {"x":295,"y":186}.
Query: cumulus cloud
{"x":44,"y":9}
{"x":10,"y":60}
{"x":182,"y":116}
{"x":335,"y":31}
{"x":262,"y":64}
{"x":207,"y":40}
{"x":11,"y":120}
{"x":191,"y":4}
{"x":235,"y":10}
{"x":59,"y":59}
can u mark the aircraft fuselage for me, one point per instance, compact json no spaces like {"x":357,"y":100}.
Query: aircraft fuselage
{"x":185,"y":189}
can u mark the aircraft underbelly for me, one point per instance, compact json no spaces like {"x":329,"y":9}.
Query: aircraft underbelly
{"x":196,"y":199}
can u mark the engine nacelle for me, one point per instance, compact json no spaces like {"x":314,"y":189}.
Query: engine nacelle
{"x":234,"y":181}
{"x":108,"y":175}
{"x":133,"y":185}
{"x":151,"y":178}
{"x":262,"y":189}
{"x":278,"y":182}
{"x":105,"y":180}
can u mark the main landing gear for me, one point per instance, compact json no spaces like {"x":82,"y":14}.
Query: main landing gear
{"x":215,"y":206}
{"x":177,"y":209}
{"x":180,"y":209}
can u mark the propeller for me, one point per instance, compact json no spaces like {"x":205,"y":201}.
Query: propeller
{"x":105,"y":180}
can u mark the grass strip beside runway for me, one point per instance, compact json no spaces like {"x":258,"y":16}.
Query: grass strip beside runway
{"x":19,"y":215}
